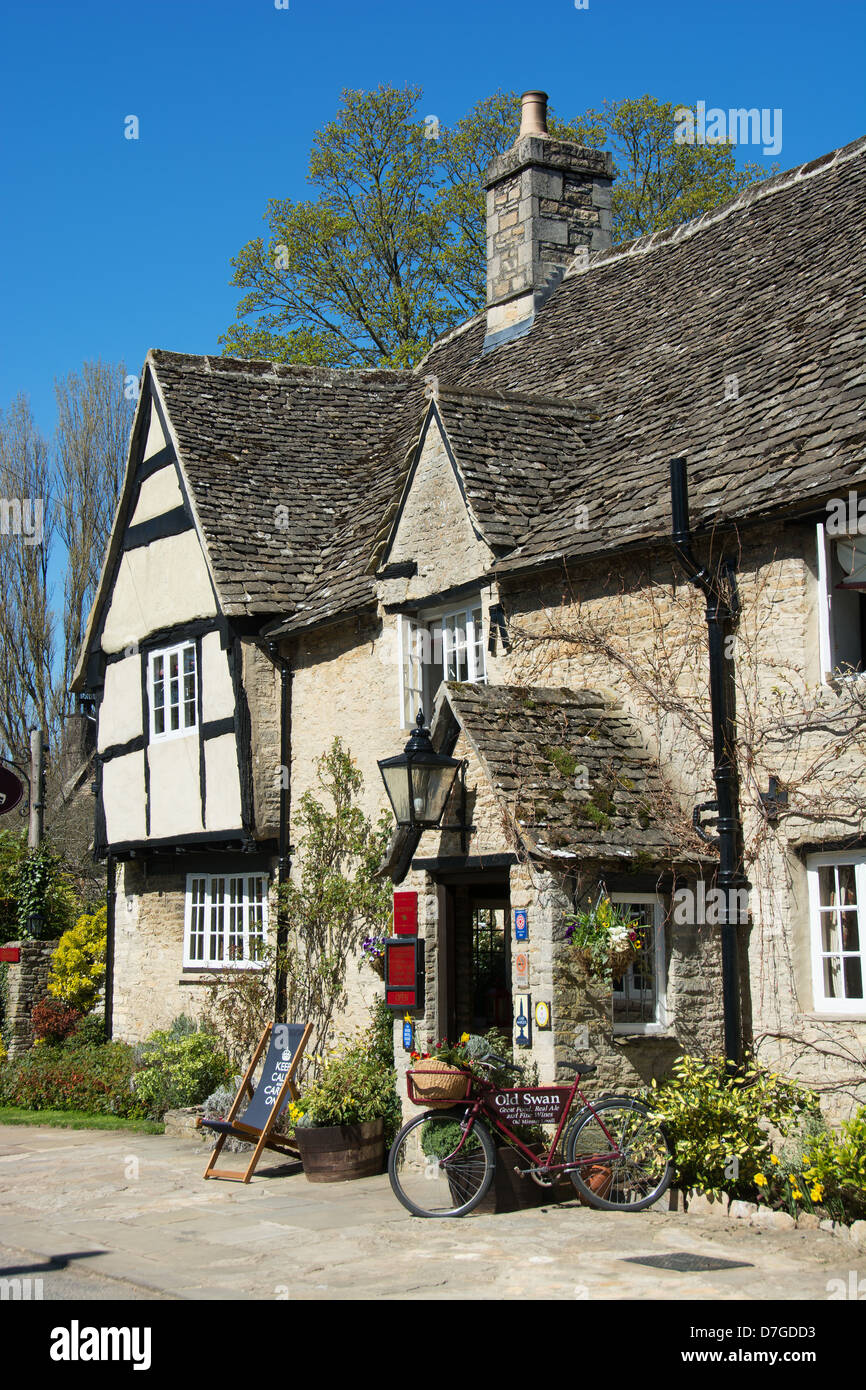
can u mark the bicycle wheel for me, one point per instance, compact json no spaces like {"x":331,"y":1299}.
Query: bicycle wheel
{"x":426,"y":1180}
{"x":633,"y":1161}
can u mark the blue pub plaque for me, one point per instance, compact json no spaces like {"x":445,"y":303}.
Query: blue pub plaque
{"x":521,"y":925}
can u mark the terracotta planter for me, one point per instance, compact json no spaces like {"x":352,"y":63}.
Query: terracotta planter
{"x":341,"y":1153}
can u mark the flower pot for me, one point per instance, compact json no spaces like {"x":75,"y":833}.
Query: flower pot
{"x":377,"y":965}
{"x":341,"y":1153}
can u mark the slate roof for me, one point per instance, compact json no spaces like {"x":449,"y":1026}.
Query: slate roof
{"x":533,"y":743}
{"x":767,"y":288}
{"x":256,"y":436}
{"x":624,"y":368}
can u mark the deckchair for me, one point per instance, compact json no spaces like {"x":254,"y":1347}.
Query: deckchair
{"x":285,"y":1043}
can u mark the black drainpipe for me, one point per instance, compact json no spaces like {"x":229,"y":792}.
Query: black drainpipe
{"x":722,"y":612}
{"x":284,"y":850}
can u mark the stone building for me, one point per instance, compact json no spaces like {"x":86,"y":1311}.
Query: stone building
{"x":301,"y":553}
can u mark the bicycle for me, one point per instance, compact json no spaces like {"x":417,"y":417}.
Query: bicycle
{"x":442,"y":1163}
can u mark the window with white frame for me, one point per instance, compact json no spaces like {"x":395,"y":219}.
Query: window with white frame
{"x":639,"y":993}
{"x":172,"y":691}
{"x":444,"y":645}
{"x":841,"y":602}
{"x":226,"y":921}
{"x":837,"y":903}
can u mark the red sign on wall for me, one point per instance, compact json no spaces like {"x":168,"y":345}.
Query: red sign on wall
{"x":11,"y":954}
{"x":405,"y":914}
{"x":404,"y":973}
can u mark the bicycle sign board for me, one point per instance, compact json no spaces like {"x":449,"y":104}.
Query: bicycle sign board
{"x":520,"y":1106}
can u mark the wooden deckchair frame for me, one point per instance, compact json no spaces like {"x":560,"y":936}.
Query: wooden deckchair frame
{"x":263,"y":1137}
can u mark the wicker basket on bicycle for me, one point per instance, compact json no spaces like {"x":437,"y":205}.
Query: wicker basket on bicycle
{"x":434,"y":1084}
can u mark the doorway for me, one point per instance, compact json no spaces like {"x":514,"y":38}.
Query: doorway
{"x":474,"y":957}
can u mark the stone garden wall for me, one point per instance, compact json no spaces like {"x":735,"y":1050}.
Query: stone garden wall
{"x":26,"y":985}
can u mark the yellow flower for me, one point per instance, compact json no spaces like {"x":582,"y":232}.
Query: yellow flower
{"x":817,"y":1192}
{"x":796,"y":1194}
{"x":464,"y":1037}
{"x":773,"y":1159}
{"x":760,"y":1180}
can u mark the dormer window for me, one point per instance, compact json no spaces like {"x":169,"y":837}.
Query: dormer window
{"x":446,"y":644}
{"x":172,"y":691}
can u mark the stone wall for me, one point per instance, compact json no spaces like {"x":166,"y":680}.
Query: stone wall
{"x":26,"y":985}
{"x":642,"y":609}
{"x":151,"y":986}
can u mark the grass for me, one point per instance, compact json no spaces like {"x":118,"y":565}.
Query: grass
{"x":75,"y":1119}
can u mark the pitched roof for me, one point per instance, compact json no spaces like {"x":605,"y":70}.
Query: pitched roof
{"x":766,"y":289}
{"x":272,"y":455}
{"x":575,"y":775}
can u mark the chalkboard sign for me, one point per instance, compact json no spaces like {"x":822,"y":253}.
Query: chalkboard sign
{"x":285,"y":1040}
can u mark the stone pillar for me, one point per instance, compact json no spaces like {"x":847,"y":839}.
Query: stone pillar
{"x":27,"y":983}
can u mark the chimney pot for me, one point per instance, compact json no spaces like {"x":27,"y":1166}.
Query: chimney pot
{"x":533,"y":116}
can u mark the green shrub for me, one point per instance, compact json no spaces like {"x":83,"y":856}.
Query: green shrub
{"x":178,"y":1069}
{"x":31,"y":882}
{"x":78,"y":964}
{"x":90,"y":1031}
{"x":719,"y":1123}
{"x":97,"y":1080}
{"x":837,"y":1164}
{"x":352,"y":1087}
{"x":381,"y":1043}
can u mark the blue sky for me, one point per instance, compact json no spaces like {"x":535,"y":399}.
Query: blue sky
{"x":110,"y":246}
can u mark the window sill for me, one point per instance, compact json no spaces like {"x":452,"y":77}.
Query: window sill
{"x":174,"y":736}
{"x":820,"y":1016}
{"x":624,"y":1034}
{"x":205,"y":976}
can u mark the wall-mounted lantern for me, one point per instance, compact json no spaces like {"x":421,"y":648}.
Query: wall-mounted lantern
{"x":419,"y":780}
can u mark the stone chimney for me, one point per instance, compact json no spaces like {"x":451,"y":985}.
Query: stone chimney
{"x":546,"y":200}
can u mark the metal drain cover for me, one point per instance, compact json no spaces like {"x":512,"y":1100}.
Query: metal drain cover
{"x":686,"y":1263}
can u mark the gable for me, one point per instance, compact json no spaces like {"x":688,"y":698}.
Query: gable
{"x":436,"y":529}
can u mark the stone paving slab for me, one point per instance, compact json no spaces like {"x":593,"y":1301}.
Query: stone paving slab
{"x":135,"y":1208}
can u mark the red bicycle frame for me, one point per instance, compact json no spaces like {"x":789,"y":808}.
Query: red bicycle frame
{"x":477,"y":1107}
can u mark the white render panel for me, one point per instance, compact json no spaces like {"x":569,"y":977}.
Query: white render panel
{"x":120,"y":711}
{"x":158,"y":586}
{"x":158,"y":494}
{"x":155,"y":436}
{"x":222,"y":786}
{"x":218,"y":697}
{"x":175,"y":787}
{"x":123,"y":798}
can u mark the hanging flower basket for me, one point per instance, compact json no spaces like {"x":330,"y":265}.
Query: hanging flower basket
{"x":605,"y":939}
{"x":373,"y":954}
{"x":619,"y":960}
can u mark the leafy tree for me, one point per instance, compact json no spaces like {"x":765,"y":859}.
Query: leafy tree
{"x":391,"y":252}
{"x":69,"y":496}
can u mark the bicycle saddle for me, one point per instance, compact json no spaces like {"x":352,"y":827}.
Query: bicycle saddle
{"x":584,"y":1068}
